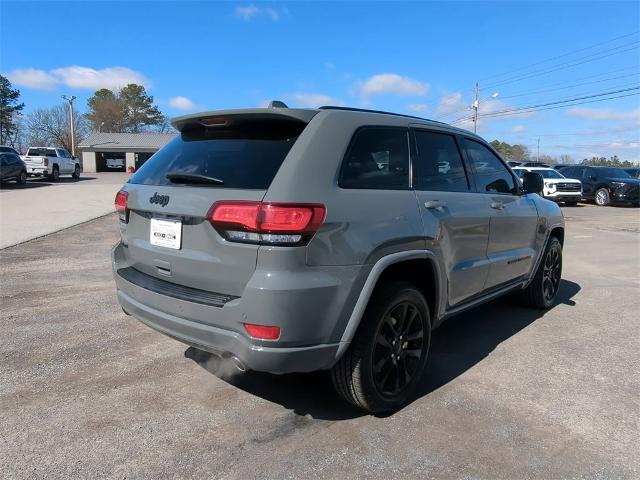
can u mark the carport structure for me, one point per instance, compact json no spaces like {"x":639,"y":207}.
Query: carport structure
{"x":116,"y":152}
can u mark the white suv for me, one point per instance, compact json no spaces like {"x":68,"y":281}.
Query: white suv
{"x":556,"y":186}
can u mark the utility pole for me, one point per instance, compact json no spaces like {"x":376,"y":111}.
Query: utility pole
{"x":538,"y":157}
{"x":70,"y":100}
{"x":475,"y":106}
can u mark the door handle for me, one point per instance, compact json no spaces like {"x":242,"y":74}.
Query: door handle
{"x":497,"y":205}
{"x":433,"y":204}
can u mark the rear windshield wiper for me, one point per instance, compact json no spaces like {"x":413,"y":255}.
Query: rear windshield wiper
{"x":179,"y":177}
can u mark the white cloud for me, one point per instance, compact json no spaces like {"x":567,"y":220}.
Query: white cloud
{"x":181,"y":103}
{"x":90,"y":78}
{"x":78,"y":77}
{"x":451,"y":103}
{"x":518,"y":129}
{"x":313,"y":100}
{"x":32,"y":78}
{"x":250,"y":12}
{"x":392,"y":83}
{"x":418,"y":107}
{"x":603,"y":113}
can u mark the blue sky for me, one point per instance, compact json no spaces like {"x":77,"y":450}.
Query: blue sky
{"x":421,"y":58}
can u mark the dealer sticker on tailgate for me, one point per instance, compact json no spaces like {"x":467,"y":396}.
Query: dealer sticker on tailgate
{"x":165,"y":233}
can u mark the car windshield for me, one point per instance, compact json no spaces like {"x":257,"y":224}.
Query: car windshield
{"x":613,"y":172}
{"x":41,"y":152}
{"x":548,"y":173}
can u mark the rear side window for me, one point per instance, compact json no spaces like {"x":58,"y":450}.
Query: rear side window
{"x":245,"y":156}
{"x":491,"y":174}
{"x":41,"y":152}
{"x":378,"y":158}
{"x":439,"y":164}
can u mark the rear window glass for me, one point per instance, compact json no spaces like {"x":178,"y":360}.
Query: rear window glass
{"x":41,"y":152}
{"x":246,"y":156}
{"x":378,"y":158}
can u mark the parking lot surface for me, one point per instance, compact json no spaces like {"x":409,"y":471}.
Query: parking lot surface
{"x":41,"y":207}
{"x":86,"y":391}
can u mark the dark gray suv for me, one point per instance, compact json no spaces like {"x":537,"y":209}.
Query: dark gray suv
{"x":293,"y":240}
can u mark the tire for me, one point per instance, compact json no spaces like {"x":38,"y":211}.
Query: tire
{"x":76,"y":172}
{"x":602,"y":198}
{"x":543,"y":289}
{"x":55,"y":174}
{"x":368,"y":374}
{"x":22,"y":178}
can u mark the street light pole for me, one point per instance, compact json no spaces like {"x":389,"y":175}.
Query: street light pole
{"x":70,"y":100}
{"x":475,"y":106}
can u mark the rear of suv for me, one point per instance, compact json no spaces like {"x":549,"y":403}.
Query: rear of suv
{"x":294,"y":240}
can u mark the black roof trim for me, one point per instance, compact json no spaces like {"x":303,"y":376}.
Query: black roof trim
{"x":351,"y":109}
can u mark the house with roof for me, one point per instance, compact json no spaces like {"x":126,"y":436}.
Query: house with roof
{"x":117,"y":152}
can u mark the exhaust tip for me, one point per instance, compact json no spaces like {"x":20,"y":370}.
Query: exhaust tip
{"x":238,"y":364}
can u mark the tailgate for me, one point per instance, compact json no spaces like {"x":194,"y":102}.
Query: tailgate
{"x":204,"y":260}
{"x":168,"y":234}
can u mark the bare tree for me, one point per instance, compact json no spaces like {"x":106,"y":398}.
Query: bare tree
{"x":50,"y":127}
{"x":566,"y":159}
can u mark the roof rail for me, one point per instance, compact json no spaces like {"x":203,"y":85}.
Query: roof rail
{"x":351,"y":109}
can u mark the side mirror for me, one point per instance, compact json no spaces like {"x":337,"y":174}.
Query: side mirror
{"x":532,"y":182}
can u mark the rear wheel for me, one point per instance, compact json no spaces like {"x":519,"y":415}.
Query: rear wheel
{"x":382,"y":367}
{"x":76,"y":172}
{"x":543,"y":289}
{"x":55,"y":174}
{"x":602,"y":197}
{"x":22,"y":178}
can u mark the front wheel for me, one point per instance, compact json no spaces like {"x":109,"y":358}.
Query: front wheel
{"x":385,"y":361}
{"x":22,"y":178}
{"x":543,"y":289}
{"x":76,"y":172}
{"x":602,"y":197}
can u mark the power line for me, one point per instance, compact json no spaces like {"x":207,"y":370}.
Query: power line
{"x":511,"y":113}
{"x":554,"y":68}
{"x":561,"y":56}
{"x":533,"y":92}
{"x":516,"y":109}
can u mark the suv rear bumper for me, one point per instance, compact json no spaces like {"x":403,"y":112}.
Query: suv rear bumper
{"x":228,"y":343}
{"x":307,"y":315}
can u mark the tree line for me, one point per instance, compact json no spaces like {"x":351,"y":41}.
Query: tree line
{"x":521,"y":153}
{"x":129,"y":109}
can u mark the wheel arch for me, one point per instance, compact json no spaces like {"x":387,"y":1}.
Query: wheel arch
{"x":397,"y":266}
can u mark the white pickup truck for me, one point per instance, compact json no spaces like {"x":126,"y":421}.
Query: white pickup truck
{"x":51,"y":162}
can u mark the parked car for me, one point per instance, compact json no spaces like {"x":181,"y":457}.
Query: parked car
{"x":559,"y":166}
{"x":253,"y":235}
{"x":115,"y":163}
{"x":556,"y":186}
{"x":535,"y":164}
{"x":605,"y":185}
{"x":51,"y":162}
{"x":513,"y":163}
{"x":12,"y":168}
{"x":8,"y":149}
{"x":634,"y":172}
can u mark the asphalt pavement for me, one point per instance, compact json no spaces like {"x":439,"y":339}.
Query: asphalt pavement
{"x":513,"y":393}
{"x":41,"y":207}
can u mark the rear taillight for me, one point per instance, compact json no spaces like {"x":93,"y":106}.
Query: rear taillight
{"x":45,"y":161}
{"x":266,"y":223}
{"x":121,"y":203}
{"x":262,"y":332}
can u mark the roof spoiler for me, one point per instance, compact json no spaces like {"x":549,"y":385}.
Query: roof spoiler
{"x":277,"y":111}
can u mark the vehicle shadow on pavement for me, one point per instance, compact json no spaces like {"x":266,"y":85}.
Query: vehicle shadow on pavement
{"x":459,"y":344}
{"x":41,"y":182}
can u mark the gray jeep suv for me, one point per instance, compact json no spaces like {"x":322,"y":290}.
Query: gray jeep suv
{"x":293,"y":240}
